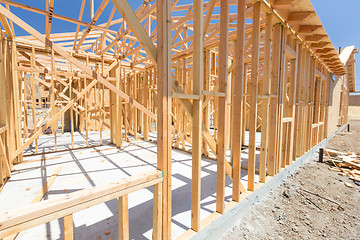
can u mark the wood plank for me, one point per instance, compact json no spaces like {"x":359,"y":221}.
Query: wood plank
{"x":185,"y":96}
{"x":273,"y":108}
{"x":71,"y":108}
{"x":50,"y":9}
{"x":3,"y":107}
{"x":197,"y":70}
{"x":130,"y":17}
{"x":212,"y":93}
{"x":281,"y":101}
{"x":223,"y":77}
{"x":123,"y":218}
{"x":205,"y":105}
{"x":52,"y":98}
{"x":157,"y":212}
{"x":47,"y":185}
{"x":265,"y":104}
{"x":68,"y":227}
{"x":16,"y":96}
{"x":209,"y":11}
{"x":92,"y":23}
{"x":33,"y":95}
{"x":146,"y":103}
{"x":6,"y":27}
{"x":4,"y":163}
{"x":164,"y":108}
{"x":253,"y":95}
{"x":237,"y":101}
{"x":78,"y":25}
{"x":292,"y":104}
{"x":45,"y":211}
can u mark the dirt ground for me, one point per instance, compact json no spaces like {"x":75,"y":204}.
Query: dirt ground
{"x":354,"y":113}
{"x":314,"y":203}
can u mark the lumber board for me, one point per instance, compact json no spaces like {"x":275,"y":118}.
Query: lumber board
{"x":68,"y":227}
{"x":164,"y":108}
{"x":223,"y":78}
{"x":123,"y":218}
{"x":265,"y":92}
{"x":197,"y":115}
{"x":237,"y":113}
{"x":42,"y":212}
{"x":47,"y":185}
{"x":253,"y":95}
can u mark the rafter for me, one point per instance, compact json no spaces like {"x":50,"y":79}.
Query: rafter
{"x":92,"y":23}
{"x":50,"y":9}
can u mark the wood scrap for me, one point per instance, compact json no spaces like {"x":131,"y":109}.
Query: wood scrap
{"x":105,"y":149}
{"x":357,"y":161}
{"x":333,"y":153}
{"x":41,"y":159}
{"x":335,"y":169}
{"x":46,"y":186}
{"x":352,"y":164}
{"x":346,"y":164}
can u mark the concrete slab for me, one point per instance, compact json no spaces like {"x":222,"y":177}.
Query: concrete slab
{"x":85,"y":168}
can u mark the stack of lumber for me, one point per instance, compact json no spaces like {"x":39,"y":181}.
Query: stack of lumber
{"x":347,"y":164}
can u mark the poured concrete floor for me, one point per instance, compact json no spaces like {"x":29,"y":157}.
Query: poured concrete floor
{"x":86,"y":168}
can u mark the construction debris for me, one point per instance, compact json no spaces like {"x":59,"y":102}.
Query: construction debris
{"x":346,"y":164}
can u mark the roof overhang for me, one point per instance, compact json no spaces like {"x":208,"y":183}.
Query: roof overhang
{"x":347,"y":57}
{"x":301,"y":16}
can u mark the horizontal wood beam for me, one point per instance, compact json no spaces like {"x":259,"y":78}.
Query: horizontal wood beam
{"x":42,"y":212}
{"x":283,"y":3}
{"x":319,"y":44}
{"x":58,"y":16}
{"x":324,"y":50}
{"x":308,"y":28}
{"x":315,"y":37}
{"x":133,"y":21}
{"x":299,"y":16}
{"x":92,"y":23}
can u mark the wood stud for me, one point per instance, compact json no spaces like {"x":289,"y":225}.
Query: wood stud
{"x":205,"y":87}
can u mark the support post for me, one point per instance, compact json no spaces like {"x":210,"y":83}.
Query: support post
{"x":197,"y":115}
{"x":273,"y":107}
{"x":123,"y":218}
{"x":223,"y":75}
{"x":68,"y":227}
{"x":164,"y":109}
{"x":157,"y":211}
{"x":238,"y":100}
{"x":265,"y":99}
{"x":253,"y":95}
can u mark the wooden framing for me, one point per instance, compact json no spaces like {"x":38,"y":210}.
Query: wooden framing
{"x":164,"y":109}
{"x":223,"y":79}
{"x":203,"y":81}
{"x":197,"y":115}
{"x":46,"y":211}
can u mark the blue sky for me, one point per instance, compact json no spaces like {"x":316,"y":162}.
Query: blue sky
{"x":341,"y":19}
